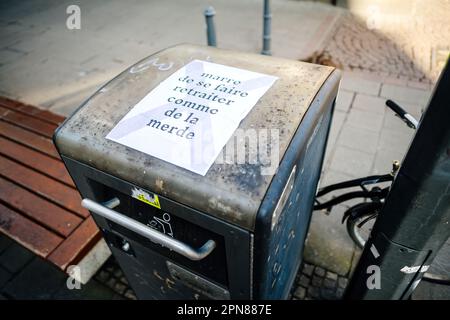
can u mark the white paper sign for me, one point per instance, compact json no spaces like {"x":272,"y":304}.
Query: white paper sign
{"x":188,"y":118}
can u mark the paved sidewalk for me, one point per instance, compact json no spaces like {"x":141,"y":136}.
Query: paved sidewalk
{"x":365,"y":138}
{"x":45,"y":64}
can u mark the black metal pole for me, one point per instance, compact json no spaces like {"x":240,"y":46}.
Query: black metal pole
{"x":267,"y":17}
{"x":415,"y":220}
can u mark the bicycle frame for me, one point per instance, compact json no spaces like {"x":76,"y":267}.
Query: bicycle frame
{"x":374,"y":193}
{"x":413,"y":223}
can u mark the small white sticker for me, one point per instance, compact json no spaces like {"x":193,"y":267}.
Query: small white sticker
{"x":163,"y":225}
{"x":414,"y":269}
{"x":374,"y":251}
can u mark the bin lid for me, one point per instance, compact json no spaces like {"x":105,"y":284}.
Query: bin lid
{"x":232,"y":192}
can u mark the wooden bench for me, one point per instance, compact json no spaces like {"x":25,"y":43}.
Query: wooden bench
{"x":39,"y":204}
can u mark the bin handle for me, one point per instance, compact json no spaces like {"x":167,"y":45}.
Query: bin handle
{"x":105,"y":210}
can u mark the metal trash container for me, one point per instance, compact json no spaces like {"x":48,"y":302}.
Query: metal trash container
{"x":234,"y":233}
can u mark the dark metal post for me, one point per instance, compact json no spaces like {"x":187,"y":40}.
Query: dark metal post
{"x":210,"y":30}
{"x":415,"y":220}
{"x":267,"y":16}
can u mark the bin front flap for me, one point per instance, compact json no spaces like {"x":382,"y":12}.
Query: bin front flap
{"x":232,"y":189}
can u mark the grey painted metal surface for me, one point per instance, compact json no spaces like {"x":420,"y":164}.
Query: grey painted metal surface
{"x":232,"y":192}
{"x":210,"y":29}
{"x":145,"y":263}
{"x":267,"y":18}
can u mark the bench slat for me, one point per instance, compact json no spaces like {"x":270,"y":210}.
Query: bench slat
{"x":29,"y":234}
{"x":46,"y":213}
{"x":28,"y":138}
{"x":76,"y":245}
{"x":19,"y":119}
{"x":38,"y":161}
{"x":26,"y":109}
{"x":55,"y":191}
{"x":39,"y":205}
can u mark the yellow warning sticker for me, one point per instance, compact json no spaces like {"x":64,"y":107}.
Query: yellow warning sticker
{"x":147,"y":197}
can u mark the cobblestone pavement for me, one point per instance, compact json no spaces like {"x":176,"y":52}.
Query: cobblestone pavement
{"x":311,"y":283}
{"x":19,"y":267}
{"x":111,"y":275}
{"x":316,"y":283}
{"x":412,"y":45}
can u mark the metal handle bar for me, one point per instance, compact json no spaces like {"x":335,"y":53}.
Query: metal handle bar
{"x":405,"y":116}
{"x":105,"y":210}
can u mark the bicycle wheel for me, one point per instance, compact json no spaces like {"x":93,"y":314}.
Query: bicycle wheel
{"x":360,"y":221}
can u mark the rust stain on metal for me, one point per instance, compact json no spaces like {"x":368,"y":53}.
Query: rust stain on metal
{"x":169,"y":283}
{"x":156,"y":274}
{"x":159,"y":184}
